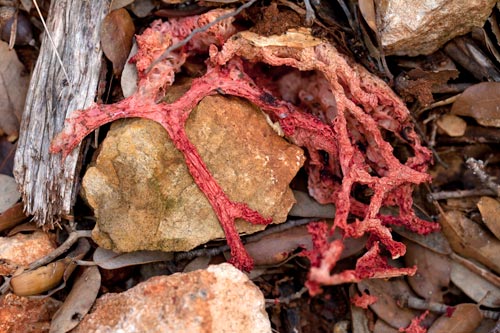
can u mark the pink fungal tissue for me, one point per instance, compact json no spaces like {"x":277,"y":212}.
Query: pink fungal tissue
{"x":337,"y":111}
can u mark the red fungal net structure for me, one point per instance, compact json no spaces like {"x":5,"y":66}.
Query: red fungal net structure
{"x":333,"y":108}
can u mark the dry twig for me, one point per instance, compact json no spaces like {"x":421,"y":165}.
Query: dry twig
{"x":477,"y":166}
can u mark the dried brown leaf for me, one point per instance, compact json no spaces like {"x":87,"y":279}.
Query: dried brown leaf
{"x":39,"y":280}
{"x":382,"y":327}
{"x":275,"y":248}
{"x":464,"y":319}
{"x":13,"y":88}
{"x":435,"y":241}
{"x":117,"y":32}
{"x":367,"y":8}
{"x":117,"y":4}
{"x":480,"y":102}
{"x":452,"y":125}
{"x":387,"y":293}
{"x":78,"y":302}
{"x":8,"y":192}
{"x":306,"y":206}
{"x":111,"y":260}
{"x":490,"y":212}
{"x":129,"y":78}
{"x":433,"y":271}
{"x":474,"y":286}
{"x":471,"y":240}
{"x":26,"y":4}
{"x":12,"y":216}
{"x":142,"y":8}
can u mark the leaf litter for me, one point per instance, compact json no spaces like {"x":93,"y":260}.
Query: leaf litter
{"x":463,"y":229}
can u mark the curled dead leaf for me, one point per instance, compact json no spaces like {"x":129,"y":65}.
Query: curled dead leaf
{"x":480,"y":102}
{"x":490,"y":212}
{"x":13,"y":89}
{"x":78,"y":302}
{"x":12,"y":216}
{"x":39,"y":280}
{"x":464,"y":319}
{"x":45,"y":278}
{"x":108,"y":259}
{"x":367,"y":8}
{"x":117,"y":31}
{"x":306,"y":206}
{"x":386,"y":307}
{"x":471,"y":240}
{"x":452,"y":125}
{"x":475,"y":286}
{"x":433,"y":271}
{"x":9,"y":194}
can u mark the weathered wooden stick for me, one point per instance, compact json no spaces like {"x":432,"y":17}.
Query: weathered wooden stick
{"x":47,"y":184}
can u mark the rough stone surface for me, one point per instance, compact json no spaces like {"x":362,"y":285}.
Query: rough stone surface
{"x":421,"y":27}
{"x":145,"y":199}
{"x":22,"y":249}
{"x":219,"y":299}
{"x":22,"y":314}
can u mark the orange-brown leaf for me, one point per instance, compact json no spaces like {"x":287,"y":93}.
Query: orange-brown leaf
{"x":117,"y":32}
{"x":481,"y":103}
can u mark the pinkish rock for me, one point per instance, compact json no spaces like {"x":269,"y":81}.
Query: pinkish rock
{"x":145,"y":199}
{"x":422,"y":27}
{"x":21,"y":250}
{"x":22,"y":314}
{"x":219,"y":299}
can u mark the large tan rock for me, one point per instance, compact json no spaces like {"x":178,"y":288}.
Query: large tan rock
{"x":145,"y":199}
{"x":219,"y":299}
{"x":422,"y":27}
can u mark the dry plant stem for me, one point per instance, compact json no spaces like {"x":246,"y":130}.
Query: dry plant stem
{"x":477,"y":167}
{"x":310,"y":16}
{"x":420,"y":304}
{"x":459,"y":194}
{"x":287,"y":299}
{"x":449,"y":100}
{"x":65,"y":246}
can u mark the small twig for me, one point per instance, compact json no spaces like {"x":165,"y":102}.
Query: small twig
{"x":72,"y":238}
{"x":183,"y":42}
{"x":420,"y":304}
{"x":477,"y":166}
{"x":310,"y":16}
{"x":287,"y":299}
{"x":52,"y":42}
{"x":485,"y":274}
{"x":447,"y":101}
{"x":459,"y":194}
{"x":211,"y":252}
{"x":420,"y":132}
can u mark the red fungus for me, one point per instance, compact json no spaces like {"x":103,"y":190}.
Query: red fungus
{"x":343,"y":136}
{"x":363,"y":301}
{"x":414,"y":326}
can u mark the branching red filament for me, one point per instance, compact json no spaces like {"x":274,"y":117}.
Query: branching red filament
{"x":331,"y":107}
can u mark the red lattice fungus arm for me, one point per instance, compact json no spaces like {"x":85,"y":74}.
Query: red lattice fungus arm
{"x":331,"y":107}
